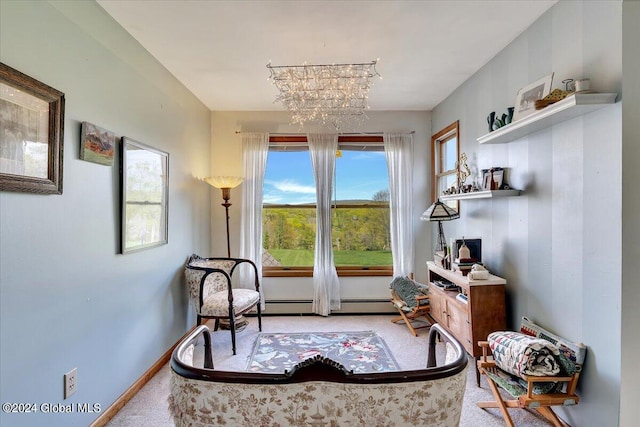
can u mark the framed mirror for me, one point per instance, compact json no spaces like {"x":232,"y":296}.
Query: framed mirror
{"x":144,"y":176}
{"x":31,"y":134}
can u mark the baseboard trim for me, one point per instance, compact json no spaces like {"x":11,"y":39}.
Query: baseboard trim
{"x":349,"y":306}
{"x":116,"y":406}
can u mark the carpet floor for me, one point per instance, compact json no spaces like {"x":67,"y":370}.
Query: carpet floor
{"x":149,"y":406}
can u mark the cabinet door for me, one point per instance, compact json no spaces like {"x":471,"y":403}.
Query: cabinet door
{"x":459,"y":322}
{"x":437,"y":306}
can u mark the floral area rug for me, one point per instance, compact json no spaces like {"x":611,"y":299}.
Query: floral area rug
{"x":361,"y":352}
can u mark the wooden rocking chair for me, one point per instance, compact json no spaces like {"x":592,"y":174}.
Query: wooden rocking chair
{"x":411,"y":299}
{"x":535,"y":392}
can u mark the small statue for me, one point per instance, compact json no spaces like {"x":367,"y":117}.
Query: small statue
{"x":463,"y":169}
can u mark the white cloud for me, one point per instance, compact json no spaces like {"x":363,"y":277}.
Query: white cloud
{"x":288,"y":186}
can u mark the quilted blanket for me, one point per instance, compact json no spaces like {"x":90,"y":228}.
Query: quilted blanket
{"x":520,"y":354}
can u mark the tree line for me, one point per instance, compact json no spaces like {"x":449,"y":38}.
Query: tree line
{"x":354,"y":228}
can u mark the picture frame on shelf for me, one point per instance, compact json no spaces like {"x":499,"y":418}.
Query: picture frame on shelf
{"x":32,"y":137}
{"x":528,"y":95}
{"x":144,"y":196}
{"x":498,"y":178}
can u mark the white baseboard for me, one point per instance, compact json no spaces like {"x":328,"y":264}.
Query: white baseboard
{"x":347,"y":307}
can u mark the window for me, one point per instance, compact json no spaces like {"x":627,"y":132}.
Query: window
{"x":445,"y":146}
{"x":360,"y":217}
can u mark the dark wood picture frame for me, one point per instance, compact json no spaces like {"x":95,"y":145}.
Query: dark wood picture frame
{"x":49,"y":178}
{"x":144,"y":183}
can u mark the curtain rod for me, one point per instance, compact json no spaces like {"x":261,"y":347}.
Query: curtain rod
{"x":339,"y":133}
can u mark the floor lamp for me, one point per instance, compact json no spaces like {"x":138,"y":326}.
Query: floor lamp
{"x":226,"y":183}
{"x":440,"y":212}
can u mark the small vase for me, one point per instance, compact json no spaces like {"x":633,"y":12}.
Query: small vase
{"x":490,"y":119}
{"x":509,"y":115}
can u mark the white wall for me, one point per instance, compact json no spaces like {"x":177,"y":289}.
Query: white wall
{"x":67,"y":299}
{"x":558,"y":244}
{"x":226,"y":159}
{"x":630,"y":391}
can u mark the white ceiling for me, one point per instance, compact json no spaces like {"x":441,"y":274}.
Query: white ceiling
{"x":219,"y":49}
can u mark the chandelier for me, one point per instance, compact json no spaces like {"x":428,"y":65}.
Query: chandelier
{"x":334,"y":94}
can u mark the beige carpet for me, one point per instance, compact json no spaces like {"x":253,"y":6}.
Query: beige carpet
{"x":149,"y":406}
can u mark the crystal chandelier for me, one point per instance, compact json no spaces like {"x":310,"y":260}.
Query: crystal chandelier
{"x":333,"y":94}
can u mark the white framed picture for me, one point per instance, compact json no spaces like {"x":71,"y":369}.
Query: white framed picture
{"x":528,"y":95}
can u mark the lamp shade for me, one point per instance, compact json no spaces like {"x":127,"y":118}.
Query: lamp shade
{"x":224,"y":181}
{"x":439,"y":212}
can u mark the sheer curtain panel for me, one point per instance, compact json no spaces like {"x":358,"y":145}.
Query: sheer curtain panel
{"x":255,"y":147}
{"x":326,"y":287}
{"x":398,"y":148}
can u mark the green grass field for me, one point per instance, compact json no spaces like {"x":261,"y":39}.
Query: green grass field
{"x":304,"y":258}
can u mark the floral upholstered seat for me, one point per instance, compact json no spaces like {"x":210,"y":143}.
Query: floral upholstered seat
{"x":213,"y":295}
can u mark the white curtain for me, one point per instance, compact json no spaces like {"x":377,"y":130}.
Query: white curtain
{"x":326,"y":287}
{"x":255,"y":147}
{"x":398,"y":148}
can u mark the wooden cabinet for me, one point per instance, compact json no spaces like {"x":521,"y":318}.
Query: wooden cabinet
{"x":471,"y":321}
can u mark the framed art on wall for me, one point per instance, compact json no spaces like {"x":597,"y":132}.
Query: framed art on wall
{"x":32,"y":134}
{"x":144,"y":176}
{"x":528,"y":95}
{"x":97,"y":145}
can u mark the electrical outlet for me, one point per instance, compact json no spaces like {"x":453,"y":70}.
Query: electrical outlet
{"x":70,"y":382}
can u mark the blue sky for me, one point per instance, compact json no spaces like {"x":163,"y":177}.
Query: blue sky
{"x":289,"y":176}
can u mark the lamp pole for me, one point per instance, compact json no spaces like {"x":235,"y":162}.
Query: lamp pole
{"x":226,"y":195}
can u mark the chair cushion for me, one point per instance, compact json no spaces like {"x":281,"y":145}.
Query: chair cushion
{"x":217,"y":304}
{"x":407,"y":290}
{"x":520,"y":354}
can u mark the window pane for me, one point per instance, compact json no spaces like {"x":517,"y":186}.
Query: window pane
{"x":289,"y":178}
{"x":288,"y":235}
{"x":449,"y":154}
{"x":360,"y":218}
{"x":447,"y":181}
{"x":361,"y":175}
{"x":361,"y":236}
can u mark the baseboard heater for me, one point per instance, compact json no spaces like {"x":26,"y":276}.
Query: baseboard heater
{"x":348,"y":306}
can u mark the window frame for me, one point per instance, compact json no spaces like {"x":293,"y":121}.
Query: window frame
{"x":438,"y":140}
{"x":344,"y":142}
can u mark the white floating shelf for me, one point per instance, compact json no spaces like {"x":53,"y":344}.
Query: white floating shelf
{"x":480,"y":195}
{"x":570,"y":107}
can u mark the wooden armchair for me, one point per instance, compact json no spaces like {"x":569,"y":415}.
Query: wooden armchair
{"x":529,"y":391}
{"x":411,"y":299}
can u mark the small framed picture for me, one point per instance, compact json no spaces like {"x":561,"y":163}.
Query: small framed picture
{"x":498,"y":178}
{"x":486,"y":176}
{"x":528,"y":95}
{"x":97,"y":144}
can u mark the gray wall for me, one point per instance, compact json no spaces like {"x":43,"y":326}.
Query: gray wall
{"x":559,"y":244}
{"x":67,"y":299}
{"x":630,"y":391}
